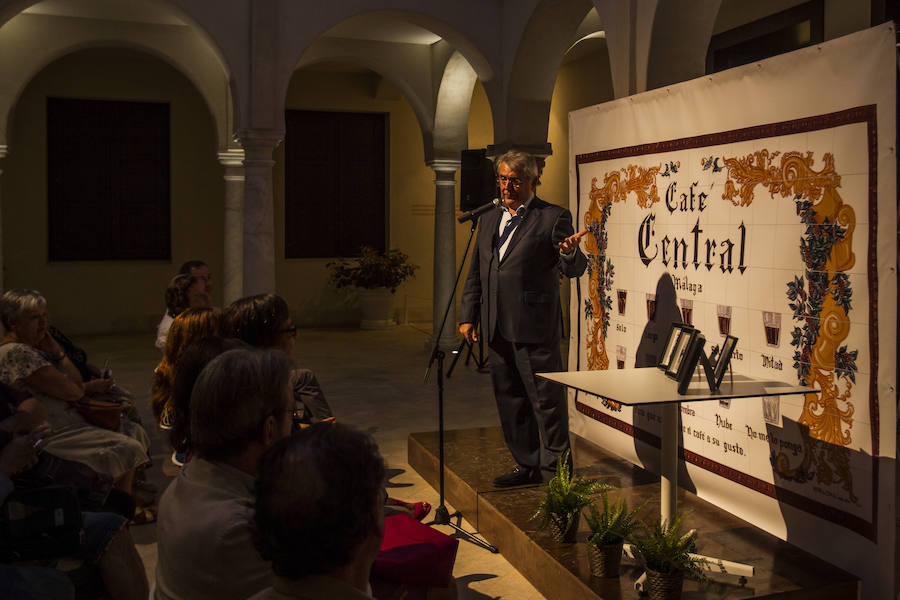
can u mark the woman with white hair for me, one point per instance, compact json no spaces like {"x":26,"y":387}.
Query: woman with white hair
{"x":31,"y":360}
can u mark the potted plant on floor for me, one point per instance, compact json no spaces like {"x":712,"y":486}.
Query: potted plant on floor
{"x":611,"y":524}
{"x":565,"y":496}
{"x":376,"y":276}
{"x":667,"y":555}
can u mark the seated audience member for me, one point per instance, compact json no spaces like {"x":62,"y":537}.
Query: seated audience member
{"x":186,"y":293}
{"x":19,"y":412}
{"x":90,"y":371}
{"x":320,"y":513}
{"x":264,"y":321}
{"x":188,"y":368}
{"x":32,"y":361}
{"x":105,"y":547}
{"x":191,"y":325}
{"x":240,"y":405}
{"x":322,"y":522}
{"x":76,"y":354}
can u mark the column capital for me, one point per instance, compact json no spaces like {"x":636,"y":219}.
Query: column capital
{"x":444,"y":165}
{"x":233,"y":157}
{"x":257,"y":137}
{"x":258,"y":145}
{"x":444,"y":171}
{"x":233,"y":161}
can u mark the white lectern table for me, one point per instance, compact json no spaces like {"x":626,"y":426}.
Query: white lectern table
{"x":650,"y":385}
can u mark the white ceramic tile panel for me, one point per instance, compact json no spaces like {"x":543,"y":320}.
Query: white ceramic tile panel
{"x":853,"y":143}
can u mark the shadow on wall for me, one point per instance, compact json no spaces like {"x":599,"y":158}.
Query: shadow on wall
{"x":662,"y":311}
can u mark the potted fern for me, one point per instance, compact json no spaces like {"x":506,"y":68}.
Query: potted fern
{"x":667,"y":555}
{"x":565,"y":497}
{"x":376,"y":276}
{"x":610,"y":525}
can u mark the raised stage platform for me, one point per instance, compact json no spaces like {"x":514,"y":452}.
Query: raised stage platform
{"x":560,"y":571}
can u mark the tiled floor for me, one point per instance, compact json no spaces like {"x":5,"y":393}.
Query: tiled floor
{"x":374,"y":380}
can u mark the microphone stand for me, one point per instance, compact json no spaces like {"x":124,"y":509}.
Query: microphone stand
{"x":442,"y":516}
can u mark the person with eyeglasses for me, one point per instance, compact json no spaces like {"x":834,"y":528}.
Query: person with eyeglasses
{"x":513,"y":288}
{"x":264,"y":321}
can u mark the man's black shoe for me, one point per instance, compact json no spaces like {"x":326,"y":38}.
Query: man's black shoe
{"x":518,"y":476}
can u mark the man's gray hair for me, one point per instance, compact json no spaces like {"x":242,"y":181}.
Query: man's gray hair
{"x":16,"y":301}
{"x":521,"y":162}
{"x":234,"y":396}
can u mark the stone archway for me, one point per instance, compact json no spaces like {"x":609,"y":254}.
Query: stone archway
{"x":679,"y":41}
{"x":29,"y":42}
{"x":437,"y":80}
{"x":522,"y":116}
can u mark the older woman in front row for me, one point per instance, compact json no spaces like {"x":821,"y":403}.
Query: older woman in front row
{"x":31,"y":360}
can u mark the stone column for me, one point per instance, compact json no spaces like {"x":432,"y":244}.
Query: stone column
{"x":233,"y":277}
{"x":444,"y":251}
{"x":259,"y":220}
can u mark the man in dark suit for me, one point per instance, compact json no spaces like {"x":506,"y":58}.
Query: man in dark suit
{"x":513,"y":286}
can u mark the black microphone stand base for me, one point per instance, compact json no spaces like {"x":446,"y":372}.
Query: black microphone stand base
{"x":443,"y":517}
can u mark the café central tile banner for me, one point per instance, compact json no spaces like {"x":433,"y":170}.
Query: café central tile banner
{"x":760,"y":203}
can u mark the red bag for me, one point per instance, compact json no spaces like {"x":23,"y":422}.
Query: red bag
{"x":415,"y":554}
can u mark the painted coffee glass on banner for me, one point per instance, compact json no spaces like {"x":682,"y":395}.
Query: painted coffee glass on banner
{"x":724,"y":314}
{"x":771,"y":406}
{"x":687,"y":311}
{"x":772,"y":325}
{"x":620,"y":356}
{"x":651,"y":306}
{"x":622,"y":294}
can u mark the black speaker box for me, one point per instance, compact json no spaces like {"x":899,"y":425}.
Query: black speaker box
{"x":477,"y":183}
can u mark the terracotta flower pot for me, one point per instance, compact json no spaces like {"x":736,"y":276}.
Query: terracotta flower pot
{"x":559,"y":532}
{"x":604,"y":560}
{"x":664,"y":586}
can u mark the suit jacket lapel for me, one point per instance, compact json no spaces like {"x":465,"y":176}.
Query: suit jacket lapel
{"x":489,"y":224}
{"x":531,"y":216}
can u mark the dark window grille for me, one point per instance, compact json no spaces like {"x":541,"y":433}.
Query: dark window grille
{"x":335,"y":183}
{"x":108,"y":186}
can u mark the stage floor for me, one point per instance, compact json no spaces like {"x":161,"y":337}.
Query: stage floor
{"x":560,"y":571}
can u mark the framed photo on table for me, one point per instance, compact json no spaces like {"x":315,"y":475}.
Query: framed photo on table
{"x":722,"y":362}
{"x":668,"y":349}
{"x":679,"y":350}
{"x":693,"y":355}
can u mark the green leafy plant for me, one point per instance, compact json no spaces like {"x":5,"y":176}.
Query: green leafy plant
{"x":664,"y":549}
{"x":566,"y":496}
{"x":373,"y":269}
{"x":613,"y":523}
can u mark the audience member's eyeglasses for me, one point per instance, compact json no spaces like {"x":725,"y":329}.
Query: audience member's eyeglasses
{"x":292,"y":331}
{"x":515,"y":182}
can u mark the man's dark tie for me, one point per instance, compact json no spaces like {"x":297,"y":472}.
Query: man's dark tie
{"x":508,"y":229}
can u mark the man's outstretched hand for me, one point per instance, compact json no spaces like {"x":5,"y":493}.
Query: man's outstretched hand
{"x":568,"y":245}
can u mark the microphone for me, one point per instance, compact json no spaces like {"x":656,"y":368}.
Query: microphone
{"x":475,"y":213}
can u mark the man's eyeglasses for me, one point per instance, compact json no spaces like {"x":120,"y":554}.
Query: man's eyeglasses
{"x":292,"y":331}
{"x":503,"y":180}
